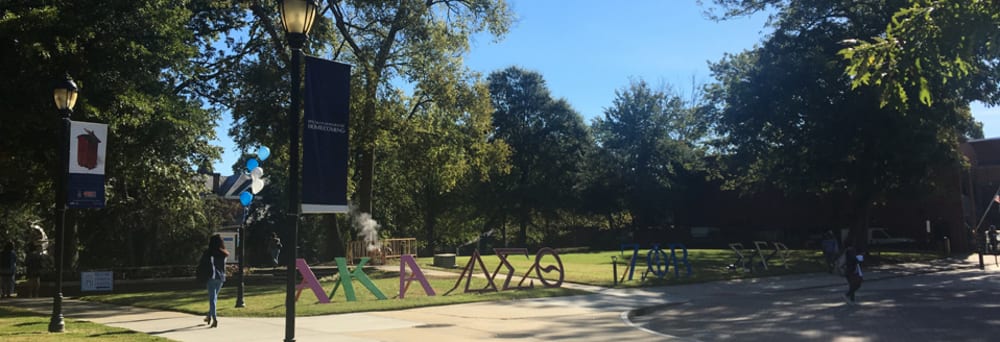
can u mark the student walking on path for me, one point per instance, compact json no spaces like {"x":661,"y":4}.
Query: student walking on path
{"x":216,"y":255}
{"x":830,"y":251}
{"x":852,"y":272}
{"x":8,"y":269}
{"x":33,"y":265}
{"x":274,"y":247}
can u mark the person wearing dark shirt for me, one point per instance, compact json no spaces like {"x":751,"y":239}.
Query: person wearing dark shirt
{"x":8,"y":269}
{"x":853,"y":273}
{"x":217,"y":253}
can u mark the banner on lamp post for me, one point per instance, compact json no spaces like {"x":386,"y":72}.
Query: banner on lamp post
{"x":324,"y":136}
{"x":88,"y":143}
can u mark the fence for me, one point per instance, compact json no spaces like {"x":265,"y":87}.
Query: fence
{"x":383,"y":249}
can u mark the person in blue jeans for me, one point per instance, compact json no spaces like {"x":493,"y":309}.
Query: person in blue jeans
{"x":274,"y":247}
{"x":217,"y":253}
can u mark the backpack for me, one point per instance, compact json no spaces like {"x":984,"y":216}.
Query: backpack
{"x":205,"y":269}
{"x":841,"y":264}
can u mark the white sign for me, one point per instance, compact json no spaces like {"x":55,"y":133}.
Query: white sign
{"x":229,"y":240}
{"x":97,"y":281}
{"x":88,"y":146}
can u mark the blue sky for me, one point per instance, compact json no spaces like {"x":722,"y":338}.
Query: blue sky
{"x":587,"y":49}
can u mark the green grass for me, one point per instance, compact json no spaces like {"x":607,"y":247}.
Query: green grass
{"x":595,"y":268}
{"x":18,"y":325}
{"x":269,"y":300}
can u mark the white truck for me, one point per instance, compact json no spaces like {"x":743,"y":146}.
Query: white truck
{"x":878,"y":236}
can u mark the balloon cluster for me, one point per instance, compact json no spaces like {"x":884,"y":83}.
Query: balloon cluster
{"x":256,"y":175}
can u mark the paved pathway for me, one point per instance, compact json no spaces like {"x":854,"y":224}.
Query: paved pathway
{"x":604,"y":315}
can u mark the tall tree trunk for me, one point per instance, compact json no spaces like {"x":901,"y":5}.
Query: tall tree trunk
{"x":334,"y":241}
{"x":503,"y":230}
{"x":522,"y":235}
{"x":365,"y":185}
{"x":429,"y":222}
{"x":859,"y":230}
{"x":368,"y":141}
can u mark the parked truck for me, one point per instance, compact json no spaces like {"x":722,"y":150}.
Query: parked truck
{"x":878,"y":236}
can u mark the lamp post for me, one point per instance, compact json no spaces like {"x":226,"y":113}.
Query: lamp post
{"x":297,"y":17}
{"x":64,"y":93}
{"x":240,"y":254}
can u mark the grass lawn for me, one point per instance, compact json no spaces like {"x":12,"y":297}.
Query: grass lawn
{"x":595,"y":268}
{"x":269,"y":300}
{"x":22,"y":325}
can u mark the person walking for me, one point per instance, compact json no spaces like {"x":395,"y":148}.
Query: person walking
{"x":274,"y":247}
{"x":830,"y":251}
{"x":216,"y":254}
{"x":853,"y":273}
{"x":33,"y":265}
{"x":991,"y":236}
{"x":8,"y":269}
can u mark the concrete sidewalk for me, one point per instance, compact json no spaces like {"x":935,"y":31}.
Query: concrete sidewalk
{"x":602,"y":315}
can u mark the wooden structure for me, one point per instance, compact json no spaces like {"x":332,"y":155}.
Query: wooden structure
{"x":381,"y":250}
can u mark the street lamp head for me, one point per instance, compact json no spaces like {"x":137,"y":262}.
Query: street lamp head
{"x":297,"y":17}
{"x":65,"y":93}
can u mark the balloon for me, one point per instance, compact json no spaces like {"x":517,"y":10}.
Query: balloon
{"x":263,"y":152}
{"x":252,"y":164}
{"x":256,"y":180}
{"x":256,"y":184}
{"x":245,"y":198}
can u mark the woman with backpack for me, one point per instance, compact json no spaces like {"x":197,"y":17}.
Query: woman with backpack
{"x":852,"y":272}
{"x":214,"y":256}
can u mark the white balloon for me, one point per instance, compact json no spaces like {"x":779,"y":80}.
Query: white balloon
{"x":257,"y":172}
{"x":256,"y":184}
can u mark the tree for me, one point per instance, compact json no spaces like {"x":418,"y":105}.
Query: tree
{"x":548,"y":142}
{"x":647,"y":142}
{"x":931,"y":50}
{"x":789,"y":117}
{"x":435,"y":155}
{"x":134,"y":74}
{"x":407,"y":40}
{"x":391,"y":45}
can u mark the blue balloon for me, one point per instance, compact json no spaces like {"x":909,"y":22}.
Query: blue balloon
{"x":263,"y":152}
{"x":245,"y":198}
{"x":252,"y":164}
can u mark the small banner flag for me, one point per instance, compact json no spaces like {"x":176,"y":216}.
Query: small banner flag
{"x":324,"y":136}
{"x":88,"y":146}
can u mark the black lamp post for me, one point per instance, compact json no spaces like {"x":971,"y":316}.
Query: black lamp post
{"x":240,"y":255}
{"x":297,"y":17}
{"x":65,"y":93}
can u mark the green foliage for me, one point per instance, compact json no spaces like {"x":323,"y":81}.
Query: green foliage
{"x":135,"y":74}
{"x":430,"y":141}
{"x":548,"y":142}
{"x":935,"y":49}
{"x":414,"y":41}
{"x":649,"y":141}
{"x":791,"y":119}
{"x":432,"y":159}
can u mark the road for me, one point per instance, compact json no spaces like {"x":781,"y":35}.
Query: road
{"x":957,"y":305}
